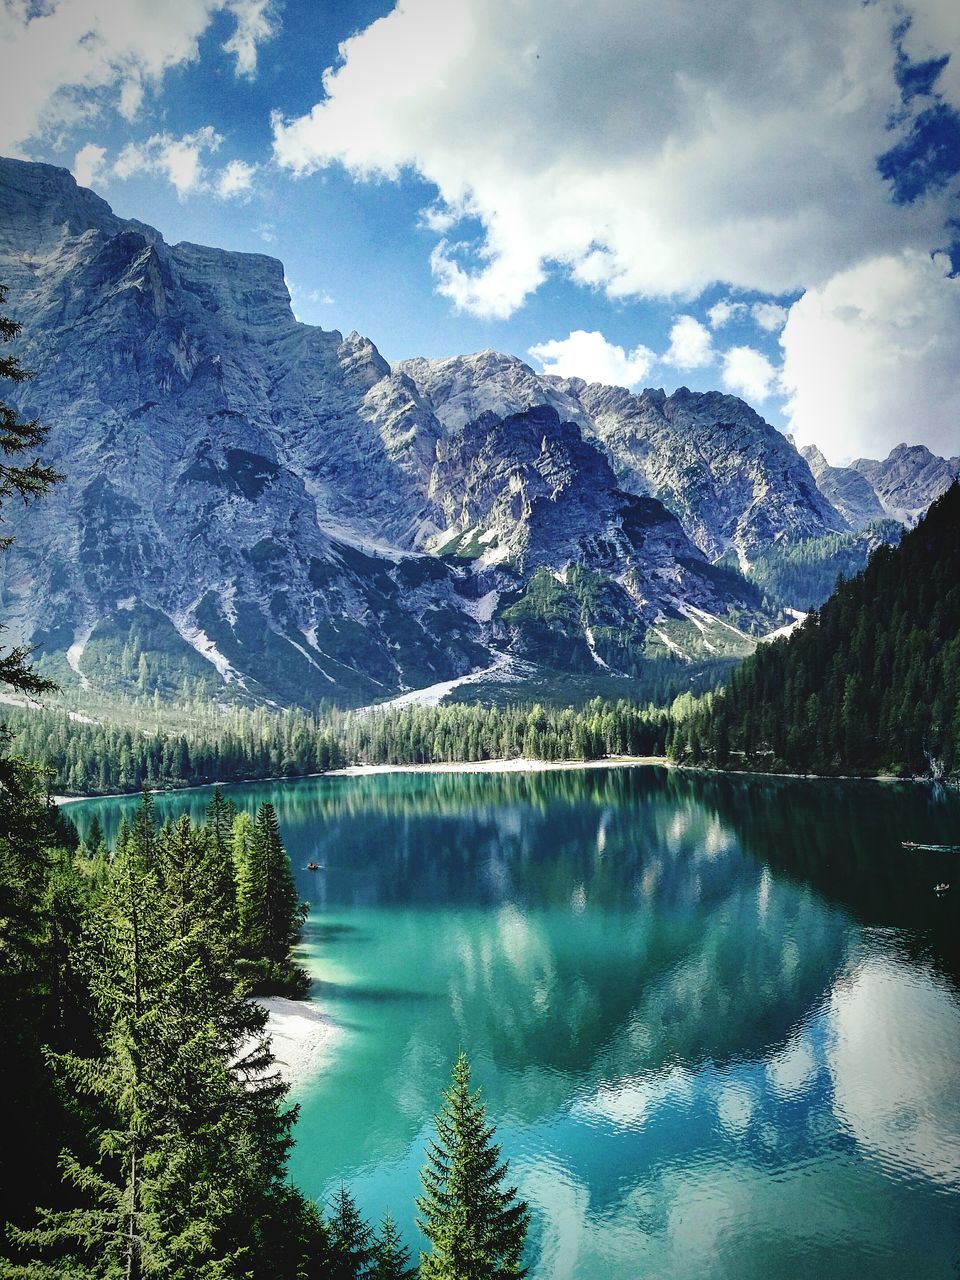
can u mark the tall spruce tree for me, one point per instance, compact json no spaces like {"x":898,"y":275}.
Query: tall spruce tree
{"x":271,"y":915}
{"x":475,"y":1223}
{"x":391,"y":1257}
{"x":351,"y":1238}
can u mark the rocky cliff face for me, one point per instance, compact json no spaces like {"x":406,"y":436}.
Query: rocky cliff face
{"x":846,"y":489}
{"x":908,"y":480}
{"x":264,"y":509}
{"x":257,"y":508}
{"x":734,"y":481}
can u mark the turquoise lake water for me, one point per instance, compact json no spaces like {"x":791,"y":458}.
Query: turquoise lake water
{"x":716,"y":1019}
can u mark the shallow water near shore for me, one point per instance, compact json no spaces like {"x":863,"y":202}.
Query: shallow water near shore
{"x":716,"y":1019}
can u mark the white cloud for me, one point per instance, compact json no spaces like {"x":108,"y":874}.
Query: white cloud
{"x":88,"y":164}
{"x":267,"y":232}
{"x":642,"y":150}
{"x":235,"y":179}
{"x":591,"y":357}
{"x":65,"y":60}
{"x":724,"y":311}
{"x":691,"y":346}
{"x":769,"y":315}
{"x":177,"y":159}
{"x":748,"y":373}
{"x":256,"y":22}
{"x":870,"y":358}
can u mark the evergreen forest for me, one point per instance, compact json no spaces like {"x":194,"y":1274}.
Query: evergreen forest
{"x":870,"y":683}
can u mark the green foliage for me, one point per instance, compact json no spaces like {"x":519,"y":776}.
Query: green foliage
{"x":179,"y":1168}
{"x":870,"y":683}
{"x":352,"y":1246}
{"x":93,"y":759}
{"x":475,"y":1224}
{"x":801,"y":575}
{"x":391,"y":1257}
{"x":270,"y":914}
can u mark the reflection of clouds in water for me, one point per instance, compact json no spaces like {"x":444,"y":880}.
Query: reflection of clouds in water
{"x":717,"y":840}
{"x":894,"y":1054}
{"x":763,"y":892}
{"x":793,"y":1069}
{"x":735,"y":1106}
{"x":627,"y":1103}
{"x":560,"y":1203}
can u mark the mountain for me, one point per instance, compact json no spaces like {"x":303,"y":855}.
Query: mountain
{"x":869,"y":683}
{"x":846,"y":489}
{"x":908,"y":480}
{"x":259,"y":509}
{"x":734,"y":481}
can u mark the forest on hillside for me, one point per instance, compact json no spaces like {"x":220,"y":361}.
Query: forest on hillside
{"x":870,"y":683}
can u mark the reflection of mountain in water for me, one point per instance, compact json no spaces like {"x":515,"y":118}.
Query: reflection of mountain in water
{"x":691,"y":999}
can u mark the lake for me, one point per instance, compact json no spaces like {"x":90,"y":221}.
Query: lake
{"x":716,"y":1019}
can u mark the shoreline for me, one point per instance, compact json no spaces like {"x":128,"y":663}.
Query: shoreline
{"x":519,"y":764}
{"x":302,"y":1036}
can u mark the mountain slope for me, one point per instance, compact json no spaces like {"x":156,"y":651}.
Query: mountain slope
{"x":733,"y":480}
{"x":870,"y":682}
{"x":254,"y":507}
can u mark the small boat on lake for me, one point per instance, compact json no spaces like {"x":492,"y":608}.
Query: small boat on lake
{"x":935,"y":848}
{"x":940,"y":889}
{"x":314,"y":866}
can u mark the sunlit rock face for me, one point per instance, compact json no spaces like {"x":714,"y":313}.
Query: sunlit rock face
{"x":267,"y":510}
{"x":846,"y":488}
{"x":908,"y":480}
{"x":734,"y":481}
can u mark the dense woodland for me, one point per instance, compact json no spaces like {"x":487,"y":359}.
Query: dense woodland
{"x":101,"y":759}
{"x":140,"y":1066}
{"x":869,"y":683}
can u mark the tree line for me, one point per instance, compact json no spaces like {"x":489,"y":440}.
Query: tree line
{"x":102,"y":759}
{"x":870,"y":683}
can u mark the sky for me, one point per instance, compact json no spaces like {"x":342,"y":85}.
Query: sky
{"x":755,"y":196}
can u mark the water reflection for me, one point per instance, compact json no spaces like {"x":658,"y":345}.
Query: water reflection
{"x":716,"y":1018}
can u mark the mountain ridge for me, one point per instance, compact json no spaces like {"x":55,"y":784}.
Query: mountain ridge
{"x":270,"y":510}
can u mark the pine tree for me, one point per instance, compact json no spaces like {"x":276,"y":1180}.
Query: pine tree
{"x":351,"y":1238}
{"x":391,"y":1257}
{"x":271,"y":915}
{"x":475,"y":1224}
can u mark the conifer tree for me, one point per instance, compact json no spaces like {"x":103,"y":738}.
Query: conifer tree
{"x":351,"y":1239}
{"x":271,"y":916}
{"x":475,"y":1223}
{"x":391,"y":1257}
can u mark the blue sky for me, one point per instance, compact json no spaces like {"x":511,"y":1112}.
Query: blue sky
{"x":753,"y":195}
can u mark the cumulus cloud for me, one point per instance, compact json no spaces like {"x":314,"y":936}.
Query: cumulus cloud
{"x":177,"y":159}
{"x":691,"y":346}
{"x":641,"y":150}
{"x":88,"y":164}
{"x":770,"y":316}
{"x":256,"y":22}
{"x":724,"y":311}
{"x":64,"y":60}
{"x":870,"y":358}
{"x":748,"y":373}
{"x":591,"y":357}
{"x":235,"y":179}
